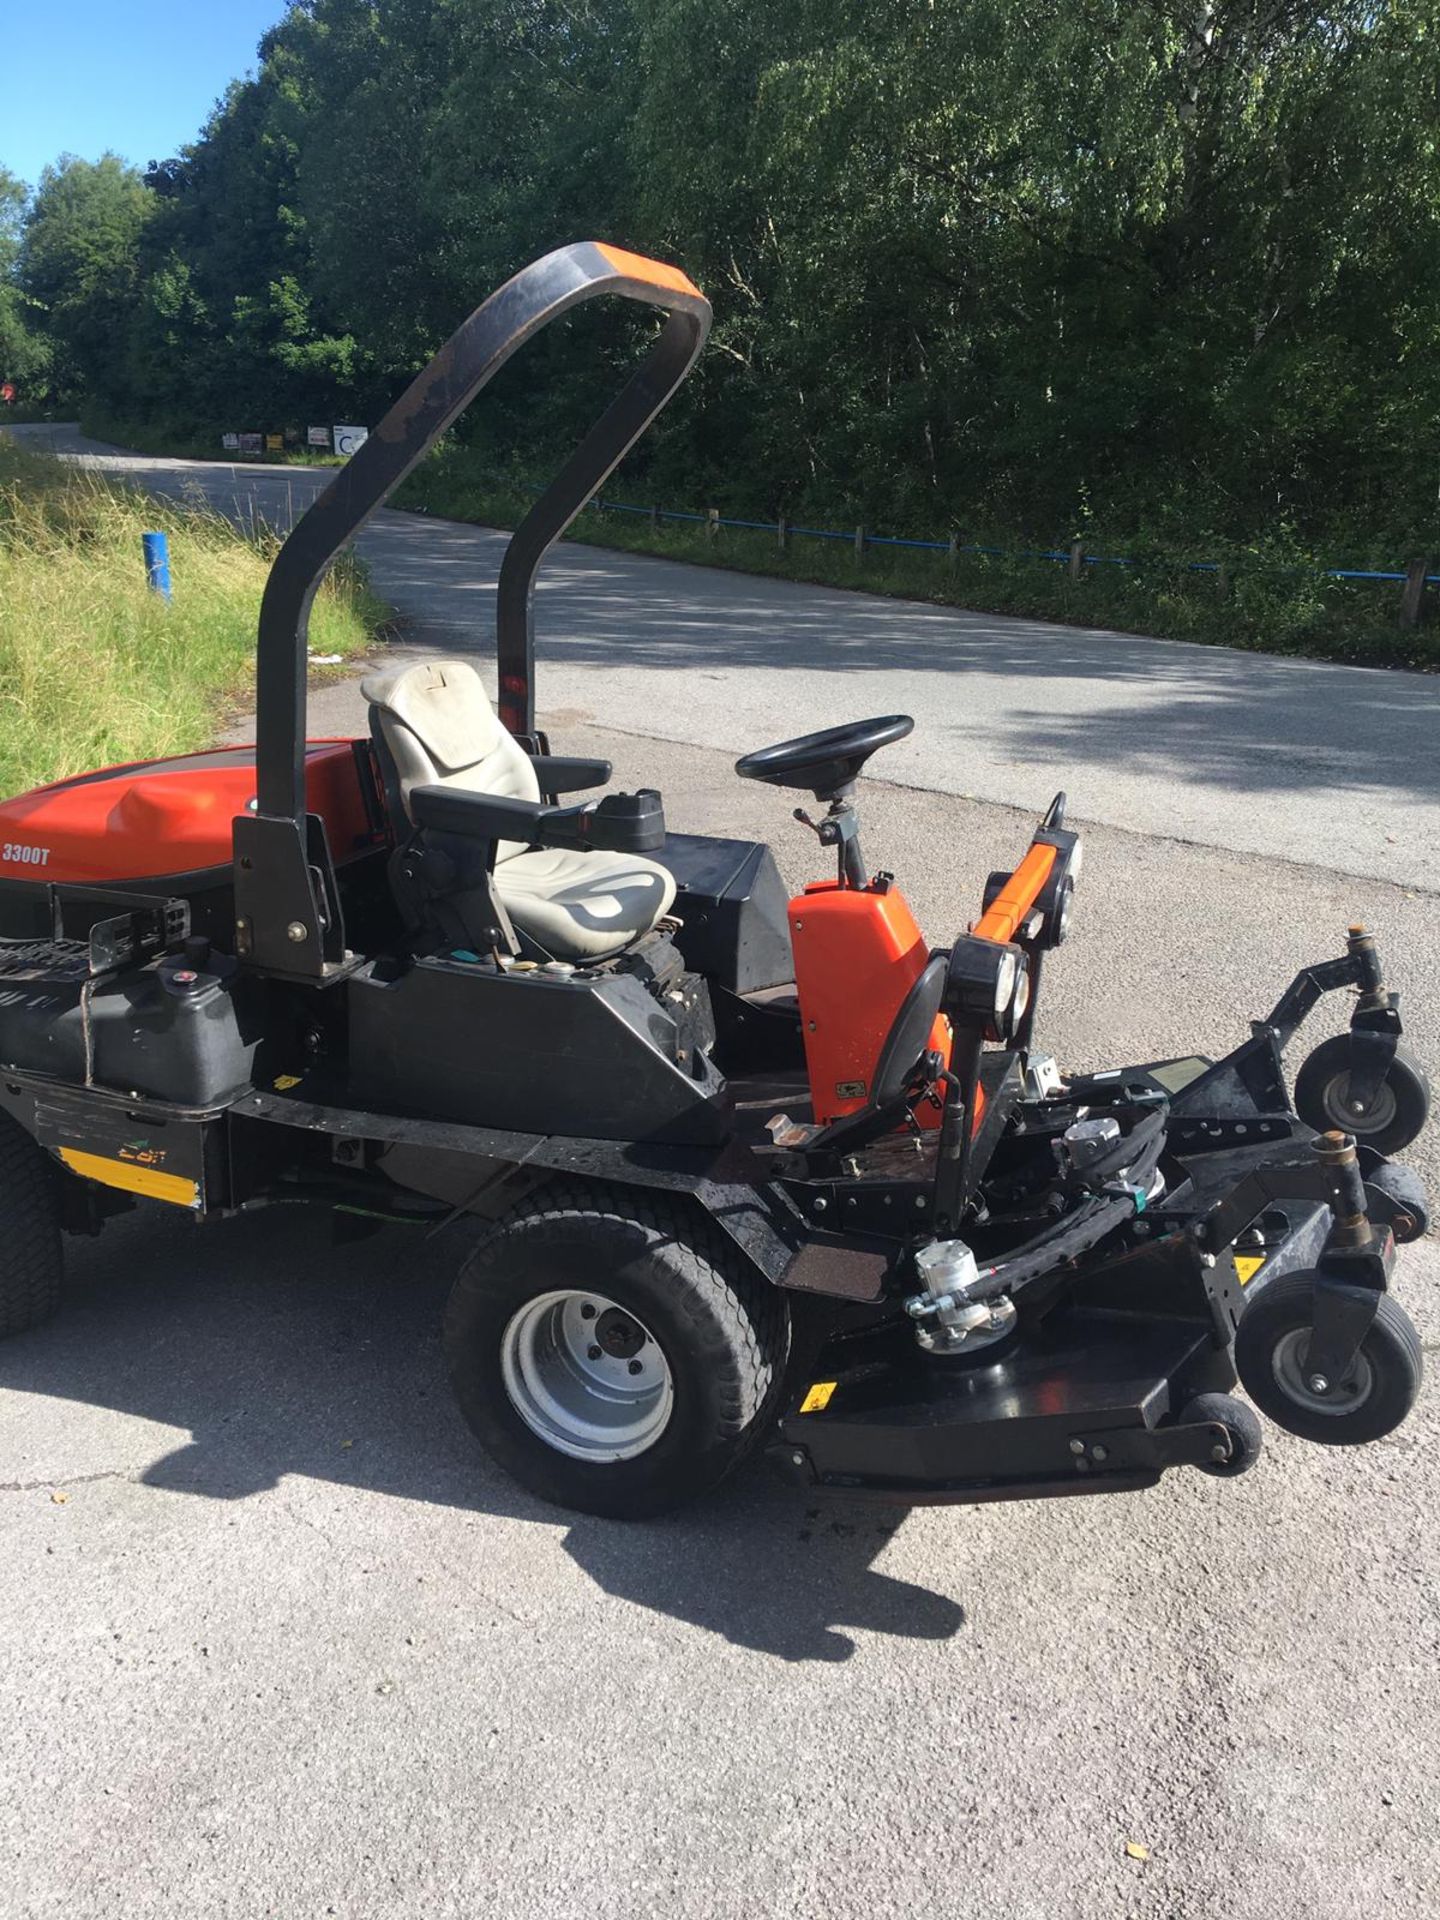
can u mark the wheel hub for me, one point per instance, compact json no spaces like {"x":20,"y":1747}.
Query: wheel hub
{"x":1355,"y":1117}
{"x":586,"y":1376}
{"x":1312,"y":1390}
{"x":619,"y":1335}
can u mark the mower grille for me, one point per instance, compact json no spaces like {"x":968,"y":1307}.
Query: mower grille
{"x":44,"y":959}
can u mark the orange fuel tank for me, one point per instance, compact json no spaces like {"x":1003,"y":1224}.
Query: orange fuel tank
{"x":857,"y":953}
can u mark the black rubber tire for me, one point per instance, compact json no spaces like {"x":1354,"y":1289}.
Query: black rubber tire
{"x":1390,"y":1352}
{"x":722,"y":1329}
{"x":1404,"y":1188}
{"x":1400,"y":1114}
{"x":1242,"y":1423}
{"x":31,"y":1258}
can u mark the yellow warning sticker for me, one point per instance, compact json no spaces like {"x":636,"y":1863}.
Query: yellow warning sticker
{"x":283,"y":1082}
{"x":1247,"y":1265}
{"x":143,"y":1180}
{"x":818,"y":1398}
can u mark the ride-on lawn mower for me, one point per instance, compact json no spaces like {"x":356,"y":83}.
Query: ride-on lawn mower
{"x":414,"y":978}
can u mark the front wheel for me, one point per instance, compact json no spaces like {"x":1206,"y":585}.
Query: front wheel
{"x":1388,"y":1123}
{"x":612,"y":1351}
{"x":1379,"y":1390}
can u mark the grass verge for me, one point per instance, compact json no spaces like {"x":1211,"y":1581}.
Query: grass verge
{"x":97,"y":669}
{"x":1271,"y":601}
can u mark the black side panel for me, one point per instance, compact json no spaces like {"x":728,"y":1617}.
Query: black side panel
{"x":135,"y":1034}
{"x":732,"y":904}
{"x":593,"y":1056}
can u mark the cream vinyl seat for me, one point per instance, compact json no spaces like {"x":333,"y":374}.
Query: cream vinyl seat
{"x":441,"y":730}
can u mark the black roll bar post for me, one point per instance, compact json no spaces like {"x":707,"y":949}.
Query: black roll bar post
{"x":287,"y":913}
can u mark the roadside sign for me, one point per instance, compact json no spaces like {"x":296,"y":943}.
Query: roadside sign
{"x":7,"y":393}
{"x":318,"y":437}
{"x":274,"y":443}
{"x":230,"y":442}
{"x":250,"y":442}
{"x":349,"y":440}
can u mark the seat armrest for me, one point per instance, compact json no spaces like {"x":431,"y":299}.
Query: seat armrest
{"x":620,"y":823}
{"x":557,"y":773}
{"x":475,"y":816}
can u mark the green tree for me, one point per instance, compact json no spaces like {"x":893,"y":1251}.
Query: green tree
{"x":24,"y":355}
{"x":79,"y":263}
{"x":1170,"y":266}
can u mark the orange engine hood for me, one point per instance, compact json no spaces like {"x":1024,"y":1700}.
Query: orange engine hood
{"x":157,"y":818}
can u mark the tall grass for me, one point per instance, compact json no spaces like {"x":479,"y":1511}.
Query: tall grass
{"x":94,"y":667}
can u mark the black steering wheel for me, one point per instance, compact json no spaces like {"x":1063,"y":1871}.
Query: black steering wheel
{"x":826,"y":763}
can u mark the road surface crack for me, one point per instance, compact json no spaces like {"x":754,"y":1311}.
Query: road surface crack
{"x":45,"y":1485}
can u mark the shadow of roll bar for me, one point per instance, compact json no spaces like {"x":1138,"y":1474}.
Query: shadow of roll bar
{"x":286,"y":902}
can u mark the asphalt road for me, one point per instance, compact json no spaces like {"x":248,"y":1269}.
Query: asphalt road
{"x":1300,"y":760}
{"x":287,"y":1645}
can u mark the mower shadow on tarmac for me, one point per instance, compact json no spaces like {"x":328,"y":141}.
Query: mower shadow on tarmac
{"x":284,"y":1356}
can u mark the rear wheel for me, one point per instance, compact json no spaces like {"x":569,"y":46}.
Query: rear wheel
{"x":1379,"y":1388}
{"x":613,"y":1351}
{"x":31,"y":1261}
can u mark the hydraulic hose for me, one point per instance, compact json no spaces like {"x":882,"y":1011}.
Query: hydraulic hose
{"x":1088,"y":1225}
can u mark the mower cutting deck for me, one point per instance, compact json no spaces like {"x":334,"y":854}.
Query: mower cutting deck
{"x":739,"y":1169}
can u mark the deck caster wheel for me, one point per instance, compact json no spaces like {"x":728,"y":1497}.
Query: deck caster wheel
{"x":1242,"y":1427}
{"x":1404,"y":1189}
{"x":1377,"y":1394}
{"x":613,"y":1351}
{"x":31,"y":1259}
{"x":1388,"y":1123}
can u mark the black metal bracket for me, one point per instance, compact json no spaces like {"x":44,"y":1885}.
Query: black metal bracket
{"x":1126,"y":1450}
{"x":1372,"y":1053}
{"x":1348,"y":1284}
{"x":287,"y":902}
{"x":1304,"y":1177}
{"x":1359,"y":966}
{"x":139,"y":928}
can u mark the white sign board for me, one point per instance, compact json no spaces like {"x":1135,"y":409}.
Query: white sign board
{"x":230,"y":442}
{"x":349,"y":440}
{"x":318,"y":437}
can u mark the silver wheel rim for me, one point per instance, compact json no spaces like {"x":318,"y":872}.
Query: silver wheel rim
{"x":586,"y":1376}
{"x":1373,"y":1119}
{"x":1345,"y":1396}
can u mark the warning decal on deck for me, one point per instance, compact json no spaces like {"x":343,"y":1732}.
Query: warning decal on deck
{"x":818,"y":1398}
{"x":1247,"y":1265}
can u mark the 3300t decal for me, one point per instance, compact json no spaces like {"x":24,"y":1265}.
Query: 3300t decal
{"x":21,"y":855}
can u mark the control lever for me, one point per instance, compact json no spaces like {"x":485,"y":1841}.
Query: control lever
{"x":825,"y":831}
{"x":840,"y":828}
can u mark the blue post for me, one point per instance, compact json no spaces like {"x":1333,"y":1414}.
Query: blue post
{"x":157,"y":562}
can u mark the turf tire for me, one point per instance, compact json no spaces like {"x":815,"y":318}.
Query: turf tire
{"x":31,"y":1259}
{"x":724,"y":1333}
{"x":1398,"y":1116}
{"x":1390,"y":1353}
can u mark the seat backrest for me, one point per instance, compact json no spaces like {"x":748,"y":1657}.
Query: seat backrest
{"x":441,"y":731}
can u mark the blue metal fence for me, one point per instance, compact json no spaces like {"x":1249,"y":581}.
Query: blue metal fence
{"x":863,"y":538}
